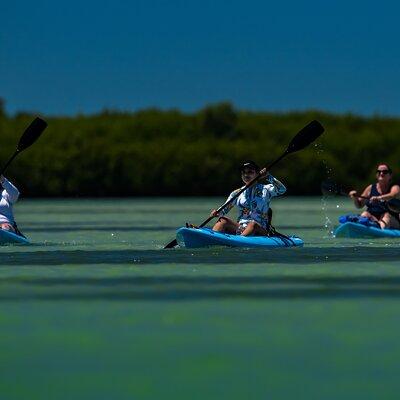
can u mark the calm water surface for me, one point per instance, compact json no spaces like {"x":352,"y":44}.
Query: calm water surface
{"x":94,"y":308}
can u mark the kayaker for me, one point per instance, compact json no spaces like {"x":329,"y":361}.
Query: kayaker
{"x":378,"y":194}
{"x":253,"y":204}
{"x":9,"y":197}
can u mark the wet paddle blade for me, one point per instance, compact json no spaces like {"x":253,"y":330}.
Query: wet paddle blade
{"x":32,"y":133}
{"x":307,"y":135}
{"x":171,"y":245}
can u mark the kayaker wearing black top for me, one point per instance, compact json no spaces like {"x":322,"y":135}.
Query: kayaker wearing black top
{"x":378,"y":194}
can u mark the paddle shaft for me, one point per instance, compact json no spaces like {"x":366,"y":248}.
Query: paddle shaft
{"x":390,"y":202}
{"x":393,"y":204}
{"x":248,"y":185}
{"x":9,"y":162}
{"x":302,"y":139}
{"x":360,"y":197}
{"x":341,"y":192}
{"x":30,"y":135}
{"x":174,"y":242}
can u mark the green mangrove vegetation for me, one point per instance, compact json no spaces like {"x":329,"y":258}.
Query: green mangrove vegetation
{"x":157,"y":152}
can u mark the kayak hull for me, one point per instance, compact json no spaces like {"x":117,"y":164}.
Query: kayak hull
{"x":204,"y":237}
{"x":7,"y":237}
{"x":355,"y":230}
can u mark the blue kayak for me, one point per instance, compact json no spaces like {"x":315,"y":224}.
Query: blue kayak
{"x":204,"y":237}
{"x":7,"y":237}
{"x":356,"y":230}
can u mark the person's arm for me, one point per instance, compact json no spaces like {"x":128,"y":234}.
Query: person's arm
{"x":12,"y":192}
{"x":394,"y":192}
{"x":276,"y":187}
{"x":226,"y":209}
{"x":358,"y":202}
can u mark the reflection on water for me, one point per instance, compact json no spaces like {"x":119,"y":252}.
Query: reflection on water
{"x":224,"y":256}
{"x":96,"y":308}
{"x":178,"y":288}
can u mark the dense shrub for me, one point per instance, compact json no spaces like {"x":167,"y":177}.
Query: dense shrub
{"x":154,"y":152}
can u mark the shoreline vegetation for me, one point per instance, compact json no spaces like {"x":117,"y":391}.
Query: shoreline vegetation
{"x":170,"y":153}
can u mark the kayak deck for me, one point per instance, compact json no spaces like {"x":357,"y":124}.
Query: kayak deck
{"x":355,"y":230}
{"x":204,"y":237}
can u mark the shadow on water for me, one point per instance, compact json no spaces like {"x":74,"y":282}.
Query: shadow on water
{"x":194,"y":281}
{"x":215,"y":256}
{"x":164,"y":288}
{"x":298,"y":227}
{"x":197,"y":288}
{"x":111,"y":228}
{"x":85,"y":210}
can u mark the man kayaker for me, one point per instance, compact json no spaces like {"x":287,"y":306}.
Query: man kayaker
{"x":9,"y":197}
{"x":253,"y":204}
{"x":378,"y":193}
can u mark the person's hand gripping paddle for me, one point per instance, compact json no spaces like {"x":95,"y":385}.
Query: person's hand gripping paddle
{"x":303,"y":138}
{"x":332,"y":188}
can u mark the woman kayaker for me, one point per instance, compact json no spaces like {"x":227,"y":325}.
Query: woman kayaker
{"x":253,"y":204}
{"x":9,"y":197}
{"x":378,"y":194}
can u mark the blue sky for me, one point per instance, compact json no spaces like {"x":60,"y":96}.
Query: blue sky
{"x":84,"y":56}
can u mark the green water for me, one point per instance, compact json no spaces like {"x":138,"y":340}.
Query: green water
{"x":95,"y":309}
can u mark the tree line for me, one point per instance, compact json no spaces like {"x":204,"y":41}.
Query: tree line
{"x":171,"y":153}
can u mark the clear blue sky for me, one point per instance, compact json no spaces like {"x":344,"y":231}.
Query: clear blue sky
{"x":59,"y":57}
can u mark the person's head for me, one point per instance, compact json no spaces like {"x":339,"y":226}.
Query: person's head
{"x":383,"y":173}
{"x":249,"y":169}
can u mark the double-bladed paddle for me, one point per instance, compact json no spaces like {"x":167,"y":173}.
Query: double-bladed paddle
{"x":332,"y":188}
{"x":303,"y":138}
{"x":30,"y":135}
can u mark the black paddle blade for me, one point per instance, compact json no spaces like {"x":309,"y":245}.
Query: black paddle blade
{"x":306,"y":136}
{"x":394,"y":205}
{"x":32,"y":133}
{"x":171,"y":245}
{"x":303,"y":138}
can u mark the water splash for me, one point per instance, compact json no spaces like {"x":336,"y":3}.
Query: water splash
{"x":328,"y":225}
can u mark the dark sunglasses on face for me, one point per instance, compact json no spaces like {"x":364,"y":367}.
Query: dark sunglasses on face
{"x":383,"y":171}
{"x":249,"y":171}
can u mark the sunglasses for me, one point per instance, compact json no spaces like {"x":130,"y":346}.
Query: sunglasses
{"x":383,"y":171}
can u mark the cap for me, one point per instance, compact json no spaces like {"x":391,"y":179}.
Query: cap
{"x":249,"y":164}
